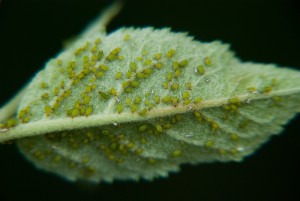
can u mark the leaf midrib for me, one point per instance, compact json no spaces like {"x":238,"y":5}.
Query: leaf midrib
{"x":55,"y":125}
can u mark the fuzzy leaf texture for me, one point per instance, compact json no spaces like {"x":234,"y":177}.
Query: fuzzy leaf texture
{"x":137,"y":103}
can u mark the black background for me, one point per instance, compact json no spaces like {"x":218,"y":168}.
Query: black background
{"x":32,"y":31}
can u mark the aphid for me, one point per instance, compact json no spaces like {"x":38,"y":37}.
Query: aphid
{"x":88,"y":110}
{"x":56,"y":91}
{"x":48,"y":110}
{"x":128,"y":101}
{"x":159,"y":128}
{"x":129,"y":74}
{"x":135,"y":84}
{"x":175,"y":86}
{"x":177,"y":73}
{"x":118,"y":75}
{"x":126,"y":37}
{"x":100,"y":55}
{"x":183,"y":63}
{"x":167,"y":99}
{"x":169,"y":76}
{"x":251,"y":89}
{"x":170,"y":53}
{"x":137,"y":100}
{"x":209,"y":144}
{"x":87,"y":100}
{"x":158,"y":65}
{"x":185,"y":95}
{"x":188,"y":85}
{"x":143,"y":128}
{"x":104,"y":95}
{"x":201,"y":70}
{"x":157,"y":56}
{"x":98,"y":41}
{"x":133,"y":66}
{"x":44,"y":85}
{"x":175,"y":65}
{"x":134,"y":108}
{"x":198,"y":100}
{"x":113,"y":91}
{"x":165,"y":85}
{"x":207,"y":61}
{"x":176,"y":153}
{"x":157,"y":99}
{"x":99,"y":74}
{"x":143,"y":112}
{"x":104,"y":67}
{"x":120,"y":108}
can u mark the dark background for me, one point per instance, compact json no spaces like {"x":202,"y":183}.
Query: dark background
{"x":32,"y":31}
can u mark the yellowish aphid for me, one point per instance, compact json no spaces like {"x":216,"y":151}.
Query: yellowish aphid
{"x":87,"y":100}
{"x":126,"y":37}
{"x":201,"y":70}
{"x":209,"y":144}
{"x":139,"y":58}
{"x":167,"y":99}
{"x":88,"y":110}
{"x":198,"y":100}
{"x":170,"y":53}
{"x":177,"y":73}
{"x":175,"y":65}
{"x":147,"y":62}
{"x":143,"y":112}
{"x":188,"y":85}
{"x":234,"y":137}
{"x":235,"y":100}
{"x":207,"y":61}
{"x":118,"y":75}
{"x":157,"y":99}
{"x":158,"y":65}
{"x":176,"y":153}
{"x":251,"y":89}
{"x":80,"y":75}
{"x":175,"y":101}
{"x":99,"y":74}
{"x":139,"y":151}
{"x":147,"y":102}
{"x":45,"y":96}
{"x":137,"y":100}
{"x":140,"y":75}
{"x":44,"y":85}
{"x":135,"y":84}
{"x":134,"y":108}
{"x":59,"y":62}
{"x":128,"y":101}
{"x":145,"y":52}
{"x":143,"y":128}
{"x":128,"y":90}
{"x":169,"y":76}
{"x":175,"y":86}
{"x":183,"y":63}
{"x":104,"y":67}
{"x":104,"y":95}
{"x":133,"y":66}
{"x":166,"y":85}
{"x":214,"y":126}
{"x":98,"y":41}
{"x":113,"y":91}
{"x":186,"y":101}
{"x":120,"y":108}
{"x":48,"y":110}
{"x":157,"y":56}
{"x":56,"y":91}
{"x":185,"y":95}
{"x":159,"y":128}
{"x":62,"y":84}
{"x":73,"y":113}
{"x":100,"y":55}
{"x":267,"y":89}
{"x":121,"y":57}
{"x":94,"y":49}
{"x":197,"y":114}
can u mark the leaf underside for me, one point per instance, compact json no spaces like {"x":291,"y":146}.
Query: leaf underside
{"x":137,"y":103}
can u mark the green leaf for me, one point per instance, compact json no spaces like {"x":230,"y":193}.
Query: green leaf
{"x":137,"y":103}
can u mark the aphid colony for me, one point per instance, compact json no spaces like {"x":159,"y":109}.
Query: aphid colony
{"x":96,"y":65}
